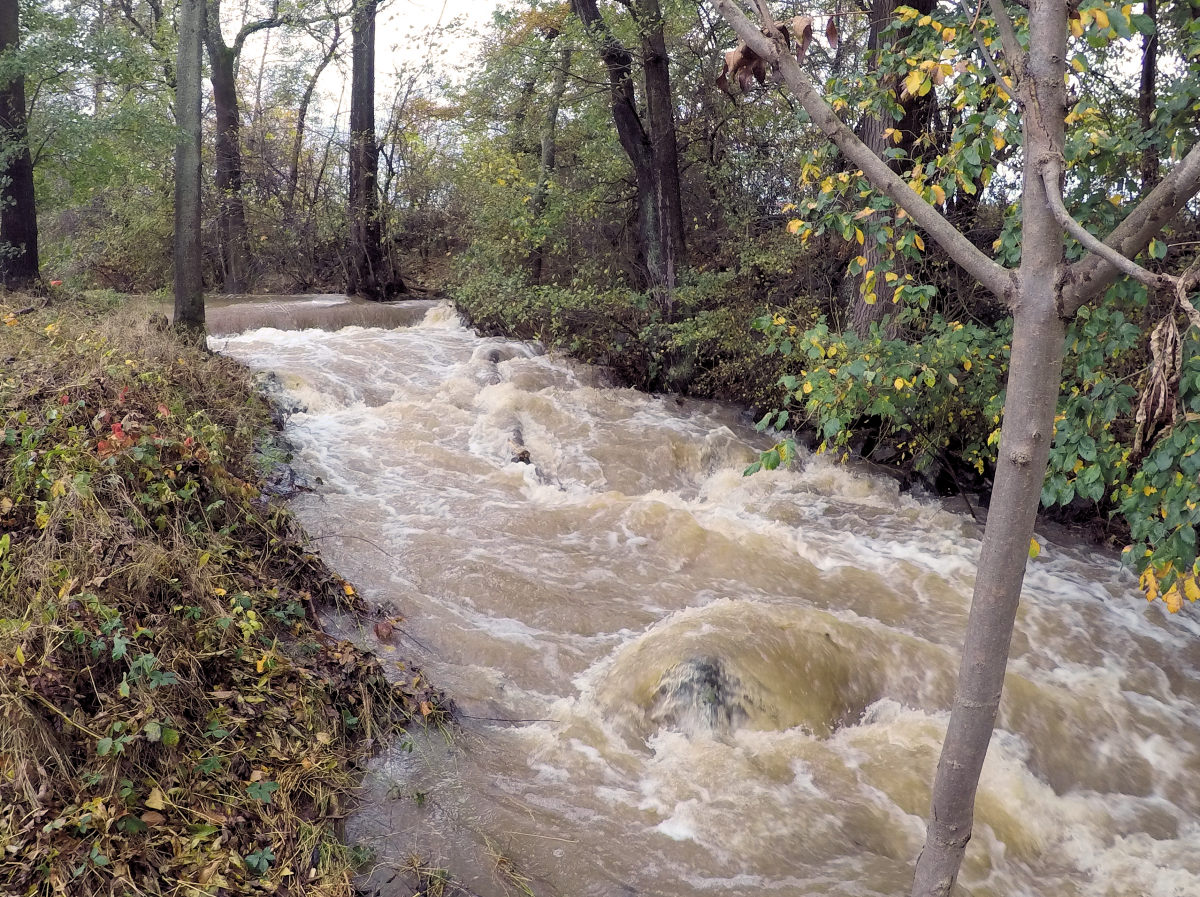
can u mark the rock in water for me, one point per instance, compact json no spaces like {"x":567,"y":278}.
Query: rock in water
{"x":699,"y":696}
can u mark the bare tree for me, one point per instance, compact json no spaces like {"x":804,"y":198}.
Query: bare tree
{"x":189,"y":286}
{"x":1042,"y":295}
{"x":18,"y":212}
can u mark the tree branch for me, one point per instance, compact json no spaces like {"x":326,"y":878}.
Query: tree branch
{"x":1091,"y":275}
{"x":991,"y":275}
{"x":1013,"y":54}
{"x":1051,"y":174}
{"x":983,"y":50}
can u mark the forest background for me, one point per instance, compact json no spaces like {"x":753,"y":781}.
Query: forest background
{"x":715,"y":244}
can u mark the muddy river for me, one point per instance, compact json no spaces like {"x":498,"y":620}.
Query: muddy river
{"x":680,"y":681}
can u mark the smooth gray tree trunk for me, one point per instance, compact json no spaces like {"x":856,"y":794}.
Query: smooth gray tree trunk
{"x":189,"y":286}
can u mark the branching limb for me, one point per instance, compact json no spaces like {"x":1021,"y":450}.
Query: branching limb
{"x":983,"y":50}
{"x":1092,"y":274}
{"x":991,"y":275}
{"x":1051,"y":174}
{"x":1013,"y":54}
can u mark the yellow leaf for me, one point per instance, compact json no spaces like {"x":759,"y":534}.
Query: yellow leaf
{"x":898,"y":383}
{"x":949,"y":34}
{"x":920,"y":244}
{"x":218,"y":592}
{"x":20,"y":655}
{"x":1076,"y":25}
{"x":793,"y":226}
{"x":807,"y":387}
{"x":998,"y":141}
{"x":939,"y":195}
{"x":832,"y":351}
{"x":1035,"y":548}
{"x":966,"y":364}
{"x":891,"y":277}
{"x":156,"y":801}
{"x":912,"y":81}
{"x":1101,"y":17}
{"x":348,"y":589}
{"x":1172,"y":599}
{"x":262,"y":662}
{"x":790,"y":207}
{"x":953,"y":380}
{"x":1190,"y":589}
{"x":859,"y":236}
{"x":1149,"y":584}
{"x":860,"y":260}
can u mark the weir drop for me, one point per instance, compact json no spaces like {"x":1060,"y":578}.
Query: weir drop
{"x":680,"y":681}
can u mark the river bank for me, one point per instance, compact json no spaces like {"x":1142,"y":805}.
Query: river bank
{"x":176,"y":714}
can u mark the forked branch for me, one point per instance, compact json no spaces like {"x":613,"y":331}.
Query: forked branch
{"x":1092,"y":274}
{"x":1051,"y":174}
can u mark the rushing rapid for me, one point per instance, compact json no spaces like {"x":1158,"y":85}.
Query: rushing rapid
{"x":680,"y":681}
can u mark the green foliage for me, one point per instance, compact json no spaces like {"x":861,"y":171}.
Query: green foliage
{"x":896,"y":400}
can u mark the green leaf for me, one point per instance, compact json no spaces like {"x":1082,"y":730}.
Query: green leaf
{"x":262,"y":790}
{"x":104,"y":746}
{"x":1158,"y":249}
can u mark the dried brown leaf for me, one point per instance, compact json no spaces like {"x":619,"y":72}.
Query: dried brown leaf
{"x":802,"y":31}
{"x":831,"y":32}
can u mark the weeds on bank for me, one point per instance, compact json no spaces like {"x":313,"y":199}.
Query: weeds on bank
{"x":176,"y":722}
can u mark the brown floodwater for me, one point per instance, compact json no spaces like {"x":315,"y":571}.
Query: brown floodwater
{"x":679,"y":681}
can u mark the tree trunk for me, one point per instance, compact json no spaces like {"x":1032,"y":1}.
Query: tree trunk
{"x":366,"y":274}
{"x":660,"y":117}
{"x":639,"y":146}
{"x":18,"y":211}
{"x":231,"y":211}
{"x":1147,"y":98}
{"x":1033,"y":385}
{"x":293,"y":177}
{"x":537,"y":205}
{"x":189,"y":287}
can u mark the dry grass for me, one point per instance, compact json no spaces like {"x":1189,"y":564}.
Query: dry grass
{"x":176,"y":722}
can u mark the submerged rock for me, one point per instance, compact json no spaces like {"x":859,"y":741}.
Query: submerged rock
{"x":700,"y":696}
